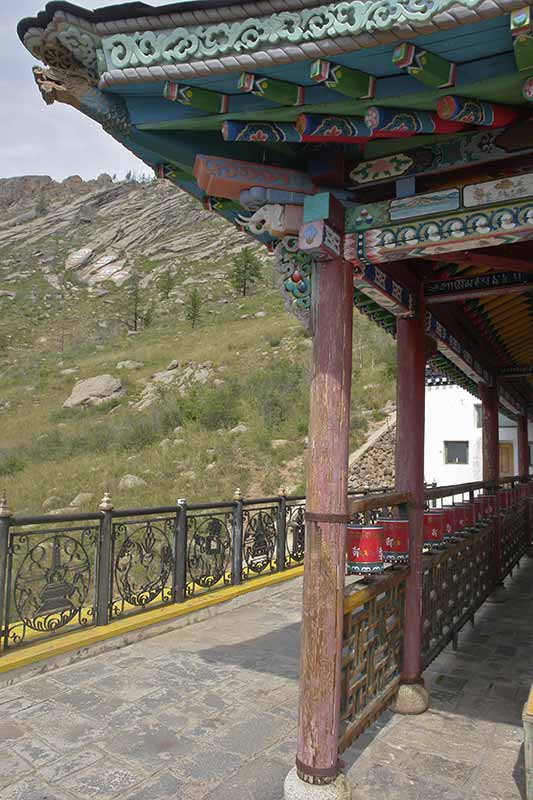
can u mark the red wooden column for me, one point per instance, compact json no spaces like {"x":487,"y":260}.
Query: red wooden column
{"x":523,"y":447}
{"x":410,"y":410}
{"x":491,"y":432}
{"x":327,"y":508}
{"x":491,"y":458}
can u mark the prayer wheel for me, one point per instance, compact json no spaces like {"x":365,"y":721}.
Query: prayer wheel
{"x":364,"y":549}
{"x":434,"y":522}
{"x":395,"y":540}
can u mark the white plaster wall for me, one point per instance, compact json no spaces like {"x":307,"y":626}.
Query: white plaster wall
{"x":451,"y":416}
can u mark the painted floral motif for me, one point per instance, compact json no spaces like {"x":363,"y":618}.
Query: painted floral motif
{"x":381,"y":168}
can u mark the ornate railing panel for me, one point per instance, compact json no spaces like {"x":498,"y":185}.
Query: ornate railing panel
{"x":295,"y":533}
{"x":372,"y":652}
{"x":209,"y":550}
{"x":456,"y":582}
{"x":142,"y":562}
{"x":50,"y":582}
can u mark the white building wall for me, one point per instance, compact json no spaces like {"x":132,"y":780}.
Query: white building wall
{"x":451,"y":416}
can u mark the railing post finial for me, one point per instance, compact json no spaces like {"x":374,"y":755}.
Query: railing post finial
{"x":237,"y":495}
{"x":181,"y":501}
{"x":106,"y":503}
{"x":4,"y":508}
{"x":281,"y":491}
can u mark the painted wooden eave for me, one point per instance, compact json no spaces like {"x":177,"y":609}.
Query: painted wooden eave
{"x":214,"y":39}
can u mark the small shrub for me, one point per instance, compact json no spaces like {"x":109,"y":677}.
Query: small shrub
{"x":10,"y":463}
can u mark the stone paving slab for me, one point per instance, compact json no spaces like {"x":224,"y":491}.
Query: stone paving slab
{"x":210,"y":711}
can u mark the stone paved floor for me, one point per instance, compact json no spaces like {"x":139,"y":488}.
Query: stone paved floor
{"x":209,"y":712}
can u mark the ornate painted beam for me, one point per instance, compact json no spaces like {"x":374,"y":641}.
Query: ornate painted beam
{"x":428,"y":68}
{"x":260,"y":132}
{"x":346,"y":81}
{"x":516,"y":371}
{"x":453,"y":350}
{"x":475,"y":112}
{"x":467,"y":287}
{"x":480,"y":147}
{"x":195,"y":97}
{"x":475,"y":215}
{"x":332,"y":128}
{"x":282,"y":92}
{"x":510,"y":401}
{"x":227,"y":177}
{"x":407,"y":122}
{"x":385,"y":290}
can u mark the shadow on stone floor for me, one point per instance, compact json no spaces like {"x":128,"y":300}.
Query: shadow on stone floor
{"x":276,"y":653}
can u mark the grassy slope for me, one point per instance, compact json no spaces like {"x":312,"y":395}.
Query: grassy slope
{"x":45,"y":450}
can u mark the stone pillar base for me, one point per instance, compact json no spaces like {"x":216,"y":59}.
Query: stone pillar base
{"x":296,"y":789}
{"x":412,"y":698}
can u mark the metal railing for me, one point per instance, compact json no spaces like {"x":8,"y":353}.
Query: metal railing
{"x":59,"y":573}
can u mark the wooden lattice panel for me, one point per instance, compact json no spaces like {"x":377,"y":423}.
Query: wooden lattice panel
{"x":514,"y":537}
{"x":455,"y":583}
{"x":372,"y":653}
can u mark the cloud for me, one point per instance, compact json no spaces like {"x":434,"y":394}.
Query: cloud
{"x":48,"y":140}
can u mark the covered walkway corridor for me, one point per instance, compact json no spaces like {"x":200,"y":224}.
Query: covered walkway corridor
{"x":210,"y":711}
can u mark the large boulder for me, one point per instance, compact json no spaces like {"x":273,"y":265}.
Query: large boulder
{"x":131,"y":482}
{"x":94,"y":391}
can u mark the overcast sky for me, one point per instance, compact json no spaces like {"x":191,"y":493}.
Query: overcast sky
{"x":51,"y":140}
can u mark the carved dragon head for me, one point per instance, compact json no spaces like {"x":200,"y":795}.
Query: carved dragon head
{"x":57,"y":84}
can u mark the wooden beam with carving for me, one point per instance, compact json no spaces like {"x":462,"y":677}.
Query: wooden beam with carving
{"x":408,"y":122}
{"x":346,"y":81}
{"x":282,"y":92}
{"x":227,"y":177}
{"x":521,"y":30}
{"x":195,"y":97}
{"x":428,"y":68}
{"x":470,"y":286}
{"x":475,"y":112}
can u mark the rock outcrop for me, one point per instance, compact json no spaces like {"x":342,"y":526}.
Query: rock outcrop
{"x":373,"y":464}
{"x":94,"y":391}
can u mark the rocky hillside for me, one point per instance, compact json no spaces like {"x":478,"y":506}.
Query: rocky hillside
{"x":104,"y":383}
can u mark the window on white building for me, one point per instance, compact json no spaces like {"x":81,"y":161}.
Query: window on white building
{"x":456,"y":452}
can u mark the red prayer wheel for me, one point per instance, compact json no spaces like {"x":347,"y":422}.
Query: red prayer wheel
{"x":490,"y":504}
{"x":479,"y":509}
{"x":450,"y":523}
{"x":467,"y":514}
{"x":395,"y":540}
{"x":364,"y":549}
{"x":434,"y":522}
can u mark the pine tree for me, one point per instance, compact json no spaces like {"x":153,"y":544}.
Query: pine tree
{"x":245,"y":271}
{"x":41,"y":207}
{"x":193,"y":305}
{"x":166,"y":283}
